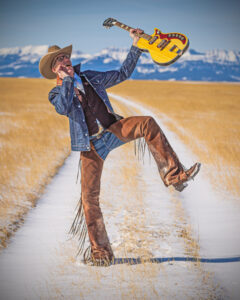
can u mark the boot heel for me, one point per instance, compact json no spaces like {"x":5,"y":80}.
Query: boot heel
{"x":180,"y":187}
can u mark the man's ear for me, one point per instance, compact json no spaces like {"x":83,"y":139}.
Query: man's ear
{"x":54,"y":70}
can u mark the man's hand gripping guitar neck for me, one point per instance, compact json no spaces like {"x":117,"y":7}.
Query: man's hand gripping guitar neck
{"x":135,"y":35}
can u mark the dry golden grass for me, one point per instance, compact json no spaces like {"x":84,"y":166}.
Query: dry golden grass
{"x":34,"y":141}
{"x":208,"y":113}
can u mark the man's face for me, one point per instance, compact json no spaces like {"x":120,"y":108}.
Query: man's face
{"x":63,"y":63}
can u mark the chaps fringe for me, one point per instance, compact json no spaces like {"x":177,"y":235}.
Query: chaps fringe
{"x":140,"y":148}
{"x":79,"y":226}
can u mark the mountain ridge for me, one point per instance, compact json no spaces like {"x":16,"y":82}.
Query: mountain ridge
{"x":211,"y":65}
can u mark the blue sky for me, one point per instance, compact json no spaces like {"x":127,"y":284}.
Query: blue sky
{"x":209,"y":24}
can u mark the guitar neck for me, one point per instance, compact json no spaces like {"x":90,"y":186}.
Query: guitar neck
{"x":128,"y":28}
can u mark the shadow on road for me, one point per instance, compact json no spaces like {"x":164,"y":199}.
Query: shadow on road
{"x":158,"y":260}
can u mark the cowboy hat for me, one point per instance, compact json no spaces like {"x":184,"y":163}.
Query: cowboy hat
{"x":45,"y":64}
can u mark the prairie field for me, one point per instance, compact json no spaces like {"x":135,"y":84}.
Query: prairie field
{"x":34,"y":143}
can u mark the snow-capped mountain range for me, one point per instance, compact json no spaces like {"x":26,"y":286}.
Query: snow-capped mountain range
{"x":213,"y":65}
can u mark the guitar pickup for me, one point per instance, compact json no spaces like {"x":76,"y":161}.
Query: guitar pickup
{"x":163,"y":44}
{"x":173,"y":48}
{"x":153,"y":40}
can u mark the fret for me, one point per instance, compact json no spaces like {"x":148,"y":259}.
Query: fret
{"x":126,"y":27}
{"x":123,"y":26}
{"x":146,"y":36}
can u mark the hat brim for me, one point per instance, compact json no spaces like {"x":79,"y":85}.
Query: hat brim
{"x":45,"y":64}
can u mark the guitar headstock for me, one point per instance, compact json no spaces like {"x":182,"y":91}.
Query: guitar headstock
{"x":109,"y":22}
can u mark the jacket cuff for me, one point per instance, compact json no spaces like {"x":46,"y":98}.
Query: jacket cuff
{"x":136,"y":50}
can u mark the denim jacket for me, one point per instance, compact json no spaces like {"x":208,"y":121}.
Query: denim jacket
{"x":66,"y":102}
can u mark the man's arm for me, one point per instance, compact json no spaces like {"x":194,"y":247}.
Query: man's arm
{"x":111,"y":78}
{"x":62,"y":96}
{"x":114,"y":77}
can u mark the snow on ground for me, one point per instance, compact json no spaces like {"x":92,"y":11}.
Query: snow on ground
{"x":144,"y":219}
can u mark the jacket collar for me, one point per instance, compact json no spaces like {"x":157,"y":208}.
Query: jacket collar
{"x":77,"y":69}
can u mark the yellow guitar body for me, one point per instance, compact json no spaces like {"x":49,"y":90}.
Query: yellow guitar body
{"x":164,"y":48}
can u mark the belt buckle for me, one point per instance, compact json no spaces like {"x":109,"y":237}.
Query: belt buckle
{"x":97,"y":135}
{"x":100,"y":135}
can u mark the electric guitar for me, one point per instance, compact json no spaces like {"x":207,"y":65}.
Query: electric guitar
{"x":164,"y":48}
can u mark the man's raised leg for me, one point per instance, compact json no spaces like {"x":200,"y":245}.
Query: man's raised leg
{"x":169,"y":166}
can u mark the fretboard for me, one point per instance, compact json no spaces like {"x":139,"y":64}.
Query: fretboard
{"x":125,"y":27}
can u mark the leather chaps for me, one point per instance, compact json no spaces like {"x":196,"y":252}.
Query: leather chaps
{"x":127,"y":129}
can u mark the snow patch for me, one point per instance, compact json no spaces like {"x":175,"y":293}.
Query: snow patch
{"x":145,"y":70}
{"x":107,"y":60}
{"x":167,"y":69}
{"x":27,"y":50}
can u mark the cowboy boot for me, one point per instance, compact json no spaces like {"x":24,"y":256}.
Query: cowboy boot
{"x":189,"y":174}
{"x":169,"y":166}
{"x":91,"y":170}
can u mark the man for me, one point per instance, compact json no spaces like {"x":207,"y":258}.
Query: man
{"x":96,"y":129}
